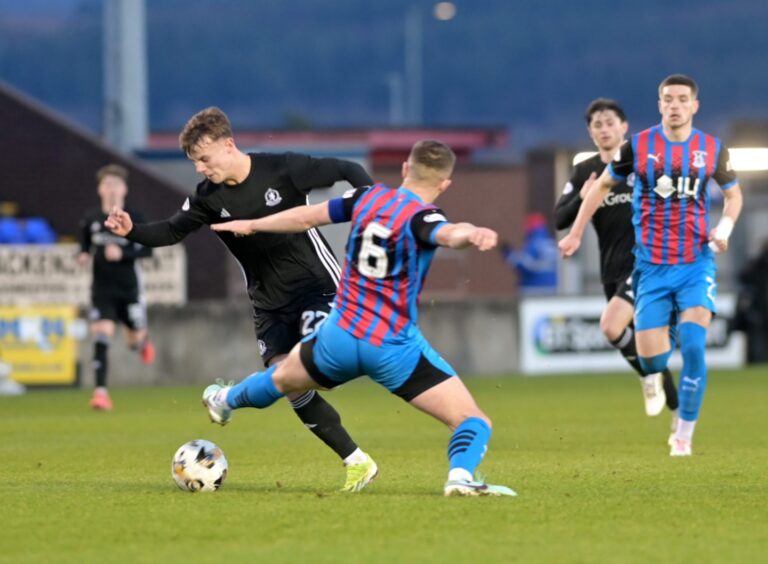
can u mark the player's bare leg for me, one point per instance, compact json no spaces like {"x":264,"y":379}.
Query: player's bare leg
{"x":102,"y":332}
{"x":289,"y":377}
{"x":451,"y":403}
{"x":658,"y":388}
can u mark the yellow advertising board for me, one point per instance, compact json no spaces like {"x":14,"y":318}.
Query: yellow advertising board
{"x":37,"y":342}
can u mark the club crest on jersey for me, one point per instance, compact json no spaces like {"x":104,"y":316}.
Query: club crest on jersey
{"x":699,"y":159}
{"x":262,"y":347}
{"x":272,"y":197}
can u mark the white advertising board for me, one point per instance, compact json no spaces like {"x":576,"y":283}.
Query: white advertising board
{"x":562,"y":335}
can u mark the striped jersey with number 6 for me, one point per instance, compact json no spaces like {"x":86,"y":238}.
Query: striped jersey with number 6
{"x":389,"y":251}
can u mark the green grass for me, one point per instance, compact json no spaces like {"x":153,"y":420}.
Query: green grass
{"x":595,"y":480}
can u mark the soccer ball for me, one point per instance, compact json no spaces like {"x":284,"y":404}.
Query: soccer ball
{"x":199,"y":466}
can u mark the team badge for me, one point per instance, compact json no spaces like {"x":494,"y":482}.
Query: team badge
{"x":262,"y":347}
{"x":699,"y":159}
{"x":272,"y":197}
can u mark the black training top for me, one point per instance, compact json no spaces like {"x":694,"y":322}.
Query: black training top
{"x":120,"y":277}
{"x":612,"y":220}
{"x":278,"y":268}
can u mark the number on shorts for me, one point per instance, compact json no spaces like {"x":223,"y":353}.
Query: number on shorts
{"x":372,"y":260}
{"x":311,"y":320}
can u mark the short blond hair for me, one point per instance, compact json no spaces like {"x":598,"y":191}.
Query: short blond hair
{"x":211,"y":123}
{"x":431,"y":160}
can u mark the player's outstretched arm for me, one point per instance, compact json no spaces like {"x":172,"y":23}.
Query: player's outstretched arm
{"x":594,"y":197}
{"x":733,"y":202}
{"x":155,"y":234}
{"x":294,"y":220}
{"x":462,"y":235}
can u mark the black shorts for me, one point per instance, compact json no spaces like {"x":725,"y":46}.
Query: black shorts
{"x":128,"y":309}
{"x":622,"y":289}
{"x":279,"y":330}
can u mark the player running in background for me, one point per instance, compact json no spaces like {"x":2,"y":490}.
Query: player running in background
{"x":607,"y":126}
{"x":290,"y":278}
{"x":675,"y":268}
{"x":372,"y":329}
{"x":117,"y":293}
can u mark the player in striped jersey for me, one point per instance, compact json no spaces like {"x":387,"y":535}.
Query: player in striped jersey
{"x":291,"y":279}
{"x":373,"y":327}
{"x":674,"y":277}
{"x":607,"y":126}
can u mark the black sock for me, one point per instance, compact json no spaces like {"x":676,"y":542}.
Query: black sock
{"x":100,"y":348}
{"x":324,"y":421}
{"x":670,"y":390}
{"x":626,"y":345}
{"x":629,"y":352}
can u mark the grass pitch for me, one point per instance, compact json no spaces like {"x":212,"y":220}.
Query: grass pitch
{"x":595,"y":480}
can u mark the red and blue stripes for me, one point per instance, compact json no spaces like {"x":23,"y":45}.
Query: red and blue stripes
{"x":378,"y":309}
{"x":672,"y":229}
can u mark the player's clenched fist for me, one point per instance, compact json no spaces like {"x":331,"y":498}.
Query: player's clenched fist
{"x":569,"y":244}
{"x":119,"y":222}
{"x":484,"y":239}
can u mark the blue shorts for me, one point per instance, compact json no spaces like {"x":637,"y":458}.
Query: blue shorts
{"x":408,"y":367}
{"x":664,"y":290}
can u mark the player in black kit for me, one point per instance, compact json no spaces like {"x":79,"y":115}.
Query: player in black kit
{"x":290,"y":278}
{"x":116,"y":291}
{"x":607,"y":125}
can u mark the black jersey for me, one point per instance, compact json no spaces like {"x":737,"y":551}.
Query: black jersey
{"x":612,"y":220}
{"x":278,"y":268}
{"x":121,"y":277}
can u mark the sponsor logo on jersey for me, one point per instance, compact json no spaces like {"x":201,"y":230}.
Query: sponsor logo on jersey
{"x":225,"y":213}
{"x":272,"y":197}
{"x":654,"y":158}
{"x":349,"y":193}
{"x":434,"y":218}
{"x":613,"y":199}
{"x":664,"y":186}
{"x":699,"y":159}
{"x":185,"y":205}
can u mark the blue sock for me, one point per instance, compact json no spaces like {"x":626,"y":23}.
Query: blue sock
{"x":257,"y":390}
{"x":468,"y":444}
{"x":654,"y":364}
{"x":693,"y":376}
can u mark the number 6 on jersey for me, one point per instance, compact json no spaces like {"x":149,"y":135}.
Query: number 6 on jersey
{"x":372,"y":259}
